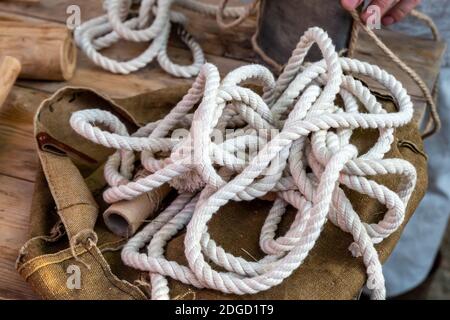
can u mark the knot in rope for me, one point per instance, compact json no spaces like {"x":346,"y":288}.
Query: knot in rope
{"x":304,"y":155}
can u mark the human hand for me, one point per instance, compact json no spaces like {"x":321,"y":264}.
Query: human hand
{"x":392,"y":11}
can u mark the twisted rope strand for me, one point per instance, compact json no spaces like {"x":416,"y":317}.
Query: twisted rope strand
{"x":104,"y":31}
{"x":303,"y":156}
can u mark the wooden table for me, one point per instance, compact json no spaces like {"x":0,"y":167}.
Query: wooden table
{"x":18,"y":161}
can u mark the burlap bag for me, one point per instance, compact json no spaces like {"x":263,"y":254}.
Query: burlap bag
{"x":67,"y":229}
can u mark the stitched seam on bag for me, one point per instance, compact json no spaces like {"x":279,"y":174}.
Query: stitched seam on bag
{"x":120,"y":284}
{"x":23,"y":249}
{"x":64,"y":220}
{"x":411,"y":146}
{"x":35,"y":265}
{"x":77,"y":204}
{"x":67,"y":255}
{"x":123,"y":285}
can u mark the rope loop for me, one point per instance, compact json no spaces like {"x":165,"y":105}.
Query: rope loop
{"x":433,"y":125}
{"x":293,"y":142}
{"x":152,"y":24}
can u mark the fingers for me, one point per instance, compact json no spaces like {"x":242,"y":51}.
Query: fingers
{"x":384,"y":5}
{"x":399,"y":11}
{"x":391,"y":11}
{"x":350,"y":4}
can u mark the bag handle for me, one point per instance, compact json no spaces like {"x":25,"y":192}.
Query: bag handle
{"x":74,"y":201}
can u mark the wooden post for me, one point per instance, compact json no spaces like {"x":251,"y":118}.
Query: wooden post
{"x":45,"y":50}
{"x":9,"y":71}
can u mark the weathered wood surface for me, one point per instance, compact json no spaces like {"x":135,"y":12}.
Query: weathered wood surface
{"x":14,"y":223}
{"x":18,"y":164}
{"x":18,"y":158}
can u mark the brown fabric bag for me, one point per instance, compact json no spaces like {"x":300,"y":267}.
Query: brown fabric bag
{"x":66,"y":228}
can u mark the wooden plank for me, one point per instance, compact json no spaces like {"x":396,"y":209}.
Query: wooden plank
{"x":18,"y":164}
{"x":14,"y":17}
{"x":15,"y":197}
{"x":17,"y":150}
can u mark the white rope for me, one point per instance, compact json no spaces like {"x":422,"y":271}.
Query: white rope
{"x":152,"y":24}
{"x":305,"y":155}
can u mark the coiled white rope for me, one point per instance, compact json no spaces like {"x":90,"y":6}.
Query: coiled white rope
{"x":304,"y":162}
{"x":152,"y":24}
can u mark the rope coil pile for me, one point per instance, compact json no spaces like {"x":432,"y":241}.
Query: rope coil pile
{"x":152,"y":24}
{"x":304,"y":163}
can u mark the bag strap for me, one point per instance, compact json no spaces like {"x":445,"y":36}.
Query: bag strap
{"x":74,"y":201}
